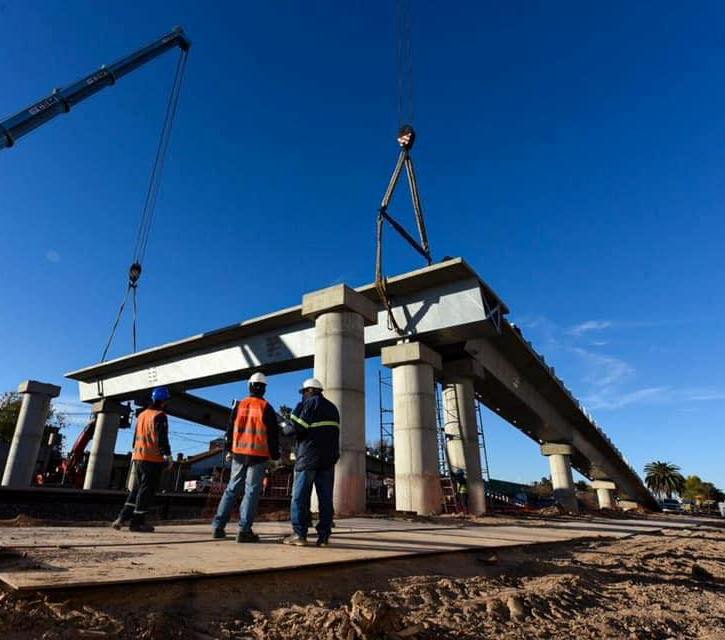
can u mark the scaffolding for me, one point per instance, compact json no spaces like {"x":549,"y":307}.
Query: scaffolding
{"x":485,"y":472}
{"x":386,"y":443}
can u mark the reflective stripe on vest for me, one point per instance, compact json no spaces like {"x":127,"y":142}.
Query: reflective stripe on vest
{"x":312,"y":425}
{"x":250,"y":432}
{"x":146,"y":443}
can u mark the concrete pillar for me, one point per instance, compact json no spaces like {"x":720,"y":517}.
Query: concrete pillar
{"x":417,"y":481}
{"x":35,"y":403}
{"x":340,"y":315}
{"x":100,"y":463}
{"x":605,"y":493}
{"x":561,"y":478}
{"x":461,"y":427}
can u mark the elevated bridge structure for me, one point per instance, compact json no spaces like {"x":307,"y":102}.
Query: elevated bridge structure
{"x":456,"y":334}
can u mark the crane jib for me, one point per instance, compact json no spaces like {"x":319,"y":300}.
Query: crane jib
{"x":61,"y":101}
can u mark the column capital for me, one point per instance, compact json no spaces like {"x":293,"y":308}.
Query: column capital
{"x":43,"y":388}
{"x":604,"y":484}
{"x":554,"y":448}
{"x":110,"y":406}
{"x":339,"y":298}
{"x":464,"y":368}
{"x":409,"y":353}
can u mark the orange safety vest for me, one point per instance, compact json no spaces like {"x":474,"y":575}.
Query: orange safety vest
{"x":250,"y":432}
{"x":146,"y":444}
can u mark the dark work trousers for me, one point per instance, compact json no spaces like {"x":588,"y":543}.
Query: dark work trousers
{"x":141,"y":499}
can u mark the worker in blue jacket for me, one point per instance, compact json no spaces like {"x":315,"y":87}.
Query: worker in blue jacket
{"x":315,"y":424}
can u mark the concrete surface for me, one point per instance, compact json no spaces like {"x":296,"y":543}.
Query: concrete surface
{"x":562,"y":480}
{"x":340,"y":314}
{"x":65,"y":557}
{"x":29,"y":429}
{"x":100,"y":461}
{"x":605,"y":493}
{"x":460,"y":423}
{"x":417,"y":480}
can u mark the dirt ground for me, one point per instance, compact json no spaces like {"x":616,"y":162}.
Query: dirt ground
{"x":670,"y":585}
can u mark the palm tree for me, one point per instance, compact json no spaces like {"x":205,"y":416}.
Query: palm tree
{"x":664,"y":478}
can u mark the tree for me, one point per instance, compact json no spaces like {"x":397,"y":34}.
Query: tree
{"x":581,"y":485}
{"x":699,"y":491}
{"x":664,"y":479}
{"x":10,"y":408}
{"x":694,"y":489}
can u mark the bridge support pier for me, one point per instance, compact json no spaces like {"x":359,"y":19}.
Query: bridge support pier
{"x":100,"y":462}
{"x":29,"y":429}
{"x":605,"y":493}
{"x":561,"y":478}
{"x":460,"y":424}
{"x":417,"y":480}
{"x":340,"y":315}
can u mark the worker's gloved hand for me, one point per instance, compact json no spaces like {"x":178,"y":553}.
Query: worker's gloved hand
{"x":228,"y":457}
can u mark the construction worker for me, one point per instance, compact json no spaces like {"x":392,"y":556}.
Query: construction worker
{"x":151,"y":453}
{"x":462,"y":487}
{"x":315,"y":423}
{"x":253,"y":439}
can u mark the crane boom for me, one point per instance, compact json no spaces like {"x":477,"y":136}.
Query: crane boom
{"x":62,"y":100}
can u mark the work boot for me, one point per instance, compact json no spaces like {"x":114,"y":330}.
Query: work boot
{"x":295,"y":540}
{"x":117,"y":524}
{"x":323,"y":541}
{"x":247,"y":536}
{"x":218,"y":534}
{"x":141,"y":527}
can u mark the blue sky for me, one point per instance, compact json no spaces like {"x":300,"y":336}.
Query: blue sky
{"x":572,"y":153}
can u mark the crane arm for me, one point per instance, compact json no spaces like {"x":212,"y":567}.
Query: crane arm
{"x":62,"y":100}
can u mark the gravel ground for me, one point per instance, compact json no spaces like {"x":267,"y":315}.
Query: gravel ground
{"x":647,"y":586}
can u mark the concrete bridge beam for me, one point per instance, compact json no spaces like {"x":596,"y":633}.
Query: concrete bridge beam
{"x":29,"y":429}
{"x":417,"y":480}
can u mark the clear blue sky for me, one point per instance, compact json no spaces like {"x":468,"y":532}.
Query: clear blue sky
{"x":572,"y":153}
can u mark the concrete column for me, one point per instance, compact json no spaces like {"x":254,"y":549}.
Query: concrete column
{"x":29,"y":429}
{"x":340,"y":315}
{"x":461,"y":427}
{"x":561,"y":478}
{"x":605,"y":493}
{"x":417,"y":481}
{"x":100,"y":463}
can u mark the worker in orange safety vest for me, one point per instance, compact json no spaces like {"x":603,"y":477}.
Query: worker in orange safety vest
{"x":151,"y":453}
{"x":253,"y":440}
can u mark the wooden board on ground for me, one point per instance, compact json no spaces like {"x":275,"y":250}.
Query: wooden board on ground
{"x":45,"y":558}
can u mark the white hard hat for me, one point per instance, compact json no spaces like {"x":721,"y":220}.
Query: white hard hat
{"x":259,"y":378}
{"x":312,"y":383}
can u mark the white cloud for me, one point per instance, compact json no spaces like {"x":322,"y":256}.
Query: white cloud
{"x":610,"y":399}
{"x":603,"y":370}
{"x":589,"y":325}
{"x":52,"y":256}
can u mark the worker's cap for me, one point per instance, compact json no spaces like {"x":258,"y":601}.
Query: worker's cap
{"x":258,"y":378}
{"x":160,"y":394}
{"x":311,"y":383}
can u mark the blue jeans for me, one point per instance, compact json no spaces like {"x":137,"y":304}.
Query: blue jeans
{"x":244,"y":478}
{"x":323,"y":480}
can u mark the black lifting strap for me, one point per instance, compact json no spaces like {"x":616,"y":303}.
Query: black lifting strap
{"x":147,"y":213}
{"x":406,"y":138}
